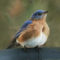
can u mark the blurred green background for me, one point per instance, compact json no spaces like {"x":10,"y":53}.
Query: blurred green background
{"x":13,"y":13}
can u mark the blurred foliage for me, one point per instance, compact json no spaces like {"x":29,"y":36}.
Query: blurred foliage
{"x":14,"y":12}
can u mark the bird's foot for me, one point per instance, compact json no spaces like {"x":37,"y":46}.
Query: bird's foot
{"x":37,"y":48}
{"x":25,"y":48}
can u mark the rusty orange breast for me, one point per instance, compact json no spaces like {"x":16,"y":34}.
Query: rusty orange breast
{"x":33,"y":30}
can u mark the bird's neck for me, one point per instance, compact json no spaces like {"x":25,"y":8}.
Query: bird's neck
{"x":43,"y":20}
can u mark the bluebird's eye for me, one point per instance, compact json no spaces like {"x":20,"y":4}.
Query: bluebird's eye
{"x":39,"y":14}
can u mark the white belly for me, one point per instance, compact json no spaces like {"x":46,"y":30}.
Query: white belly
{"x":36,"y":41}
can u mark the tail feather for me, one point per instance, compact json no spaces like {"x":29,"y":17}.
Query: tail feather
{"x":12,"y":44}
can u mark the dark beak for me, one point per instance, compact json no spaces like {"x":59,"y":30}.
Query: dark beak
{"x":45,"y":12}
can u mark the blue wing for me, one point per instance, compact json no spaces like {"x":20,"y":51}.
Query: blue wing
{"x":18,"y":33}
{"x":23,"y":27}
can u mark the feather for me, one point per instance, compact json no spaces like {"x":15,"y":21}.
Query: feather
{"x":24,"y":26}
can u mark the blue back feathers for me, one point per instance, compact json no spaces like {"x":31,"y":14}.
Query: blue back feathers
{"x":26,"y":24}
{"x":23,"y":27}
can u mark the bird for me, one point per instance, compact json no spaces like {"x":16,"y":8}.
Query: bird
{"x":34,"y":32}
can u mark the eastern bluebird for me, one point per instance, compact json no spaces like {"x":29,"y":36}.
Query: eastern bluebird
{"x":34,"y":32}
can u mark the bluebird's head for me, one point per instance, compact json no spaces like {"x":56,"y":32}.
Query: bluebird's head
{"x":39,"y":14}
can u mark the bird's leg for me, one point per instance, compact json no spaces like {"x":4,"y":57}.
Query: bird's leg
{"x":37,"y":48}
{"x":25,"y":48}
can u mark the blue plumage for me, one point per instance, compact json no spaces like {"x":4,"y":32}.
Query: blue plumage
{"x":23,"y":27}
{"x":39,"y":11}
{"x":38,"y":14}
